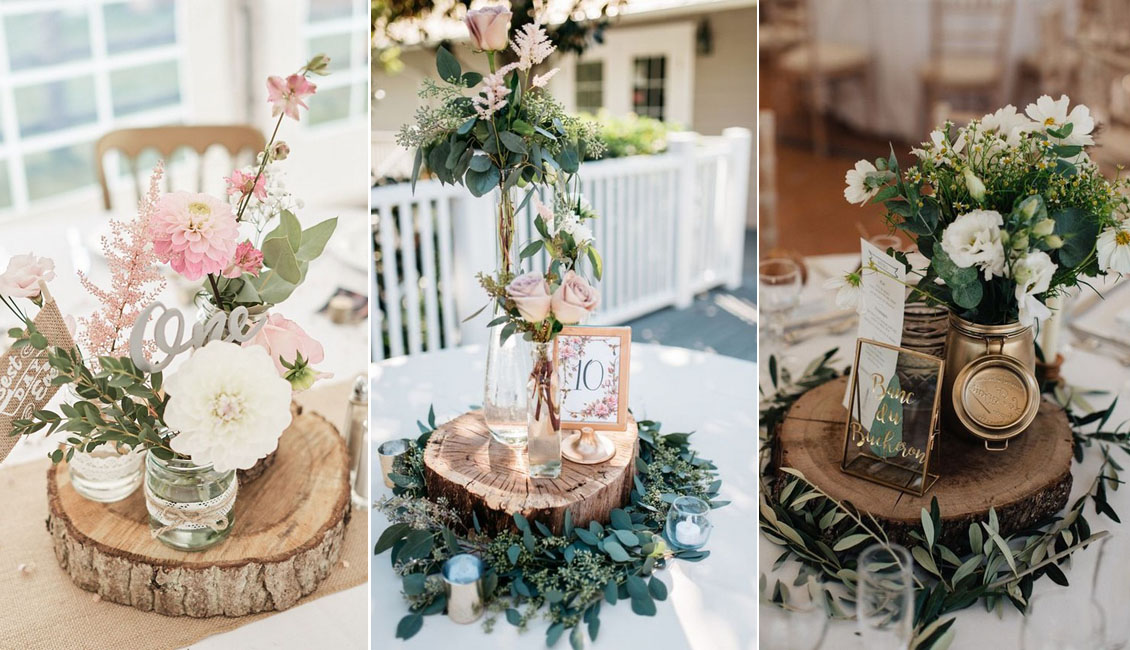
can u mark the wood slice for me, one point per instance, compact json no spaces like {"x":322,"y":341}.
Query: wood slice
{"x":287,"y":536}
{"x":476,"y":475}
{"x":1026,"y":484}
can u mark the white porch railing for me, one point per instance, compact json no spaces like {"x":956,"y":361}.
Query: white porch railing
{"x":670,"y":226}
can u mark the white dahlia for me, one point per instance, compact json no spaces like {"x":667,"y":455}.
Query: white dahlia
{"x":227,"y":406}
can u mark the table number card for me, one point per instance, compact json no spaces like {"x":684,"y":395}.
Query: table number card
{"x":881,"y":308}
{"x":594,"y":363}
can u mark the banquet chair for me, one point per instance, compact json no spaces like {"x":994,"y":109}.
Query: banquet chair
{"x":969,"y":44}
{"x":1054,"y":67}
{"x":781,"y":25}
{"x":168,"y":140}
{"x":818,"y":65}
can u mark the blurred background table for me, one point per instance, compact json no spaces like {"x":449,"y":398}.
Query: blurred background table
{"x":711,"y":606}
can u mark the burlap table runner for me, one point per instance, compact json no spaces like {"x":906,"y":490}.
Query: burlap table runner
{"x":42,"y":608}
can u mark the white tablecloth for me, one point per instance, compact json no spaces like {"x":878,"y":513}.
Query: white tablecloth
{"x":712,"y":603}
{"x":337,"y":620}
{"x":897,"y":34}
{"x":975,"y":627}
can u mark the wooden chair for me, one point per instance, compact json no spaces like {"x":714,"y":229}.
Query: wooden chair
{"x":167,"y":140}
{"x":781,"y":25}
{"x":1053,"y":68}
{"x":969,"y":44}
{"x":818,"y":66}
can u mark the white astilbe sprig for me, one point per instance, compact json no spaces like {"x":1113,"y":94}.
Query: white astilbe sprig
{"x":493,"y":96}
{"x":532,"y":46}
{"x":541,"y":80}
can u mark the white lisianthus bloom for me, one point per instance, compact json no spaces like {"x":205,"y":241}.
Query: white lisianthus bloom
{"x":1008,"y":124}
{"x":848,"y":288}
{"x":1114,"y":248}
{"x":974,"y":239}
{"x":227,"y":406}
{"x":1052,"y":114}
{"x":1033,"y":275}
{"x":856,"y":180}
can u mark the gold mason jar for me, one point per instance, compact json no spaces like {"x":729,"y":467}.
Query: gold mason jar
{"x":989,"y":389}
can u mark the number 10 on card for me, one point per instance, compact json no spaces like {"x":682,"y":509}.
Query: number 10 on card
{"x":594,"y":363}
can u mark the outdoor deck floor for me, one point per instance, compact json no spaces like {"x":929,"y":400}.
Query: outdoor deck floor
{"x":720,"y":321}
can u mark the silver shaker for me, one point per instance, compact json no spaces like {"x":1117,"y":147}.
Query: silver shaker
{"x":356,"y":429}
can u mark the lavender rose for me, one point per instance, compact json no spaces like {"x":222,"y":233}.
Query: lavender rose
{"x":21,"y":279}
{"x":531,"y":295}
{"x":489,"y":27}
{"x":574,"y":300}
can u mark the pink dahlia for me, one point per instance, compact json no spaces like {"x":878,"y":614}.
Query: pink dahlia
{"x":195,"y":233}
{"x":285,"y":95}
{"x":248,"y":259}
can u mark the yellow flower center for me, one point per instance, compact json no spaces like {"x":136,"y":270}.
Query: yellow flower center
{"x":227,"y":407}
{"x":1049,"y":121}
{"x":199,"y":208}
{"x":1122,"y":238}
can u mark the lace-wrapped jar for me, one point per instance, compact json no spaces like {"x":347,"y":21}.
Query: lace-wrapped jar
{"x":190,"y":506}
{"x":106,"y":474}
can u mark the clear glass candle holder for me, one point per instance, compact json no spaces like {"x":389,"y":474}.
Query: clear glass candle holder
{"x":688,"y":523}
{"x":190,"y":506}
{"x":106,"y":474}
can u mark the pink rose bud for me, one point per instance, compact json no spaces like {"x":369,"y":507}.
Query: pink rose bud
{"x":489,"y":27}
{"x":21,"y":279}
{"x":285,"y":342}
{"x":530,"y":294}
{"x":574,"y":300}
{"x":248,"y":259}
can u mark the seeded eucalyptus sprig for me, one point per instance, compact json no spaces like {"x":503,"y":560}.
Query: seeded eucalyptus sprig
{"x":825,"y":535}
{"x":119,"y":403}
{"x":532,"y":572}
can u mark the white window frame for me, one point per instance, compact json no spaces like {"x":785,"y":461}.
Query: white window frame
{"x":101,"y":64}
{"x":622,"y":45}
{"x":357,"y":76}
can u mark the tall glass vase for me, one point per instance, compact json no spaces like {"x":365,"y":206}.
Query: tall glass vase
{"x":508,"y":363}
{"x":544,"y":414}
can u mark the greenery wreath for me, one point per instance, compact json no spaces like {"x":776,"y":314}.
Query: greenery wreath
{"x":530,"y":569}
{"x":824,"y":535}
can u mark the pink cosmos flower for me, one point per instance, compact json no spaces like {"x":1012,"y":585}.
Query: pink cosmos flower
{"x":248,"y":259}
{"x":240,"y":183}
{"x":195,"y":233}
{"x":285,"y":96}
{"x":285,"y":341}
{"x":21,"y":279}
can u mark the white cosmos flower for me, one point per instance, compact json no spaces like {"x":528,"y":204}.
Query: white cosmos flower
{"x":974,"y":239}
{"x":857,"y":190}
{"x":1008,"y":124}
{"x":1052,"y":114}
{"x":1033,"y":275}
{"x":848,"y":288}
{"x":1114,"y":248}
{"x":227,"y":406}
{"x":938,"y":150}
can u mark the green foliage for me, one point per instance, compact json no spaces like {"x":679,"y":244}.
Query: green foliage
{"x":118,"y":403}
{"x":631,"y":135}
{"x":532,"y":572}
{"x":825,"y":535}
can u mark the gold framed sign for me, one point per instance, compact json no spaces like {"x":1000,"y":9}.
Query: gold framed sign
{"x":892,"y":425}
{"x":594,"y":363}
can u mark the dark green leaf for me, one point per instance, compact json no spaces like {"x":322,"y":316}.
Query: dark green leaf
{"x":448,"y":66}
{"x":409,"y":626}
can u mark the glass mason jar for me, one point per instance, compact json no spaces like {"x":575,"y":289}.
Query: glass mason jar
{"x":206,"y":309}
{"x":190,"y":505}
{"x":107,"y":473}
{"x":508,"y":364}
{"x":543,"y":414}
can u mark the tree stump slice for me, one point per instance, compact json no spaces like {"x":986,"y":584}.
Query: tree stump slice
{"x":287,"y":536}
{"x":476,"y":475}
{"x":1026,"y":484}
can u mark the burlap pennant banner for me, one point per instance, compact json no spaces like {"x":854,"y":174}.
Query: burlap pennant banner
{"x":25,"y":374}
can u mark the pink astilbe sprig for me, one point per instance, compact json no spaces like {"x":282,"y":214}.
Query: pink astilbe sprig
{"x":134,"y":278}
{"x":493,"y":96}
{"x":532,"y":45}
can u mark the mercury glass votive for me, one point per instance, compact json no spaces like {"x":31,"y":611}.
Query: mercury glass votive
{"x":389,"y":451}
{"x":463,"y":580}
{"x":688,"y":523}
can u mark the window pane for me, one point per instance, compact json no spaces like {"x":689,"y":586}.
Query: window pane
{"x":137,"y":25}
{"x":589,"y":89}
{"x":66,"y":30}
{"x":337,"y":47}
{"x":648,"y":86}
{"x":60,"y":170}
{"x":43,"y":108}
{"x":5,"y":187}
{"x":145,"y":87}
{"x":330,"y":9}
{"x":330,"y":105}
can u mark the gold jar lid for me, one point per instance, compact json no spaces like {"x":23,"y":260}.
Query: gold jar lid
{"x":996,"y":397}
